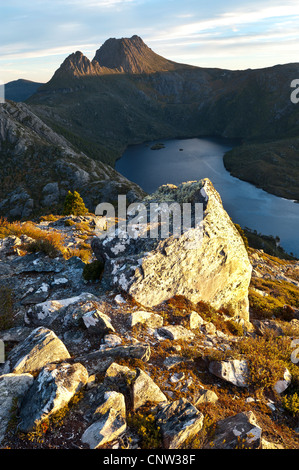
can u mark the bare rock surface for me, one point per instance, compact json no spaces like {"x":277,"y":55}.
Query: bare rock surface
{"x":208,"y":262}
{"x":179,"y":421}
{"x":52,"y":390}
{"x":40,"y":348}
{"x":238,"y":432}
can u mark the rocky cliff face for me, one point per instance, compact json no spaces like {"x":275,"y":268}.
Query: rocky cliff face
{"x":125,"y":55}
{"x":76,"y":65}
{"x":38,"y":167}
{"x":131,"y":55}
{"x":206,"y":263}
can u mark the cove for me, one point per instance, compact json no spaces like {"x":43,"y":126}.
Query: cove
{"x":183,"y":160}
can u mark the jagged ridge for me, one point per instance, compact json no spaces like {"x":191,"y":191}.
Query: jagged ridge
{"x":131,"y":55}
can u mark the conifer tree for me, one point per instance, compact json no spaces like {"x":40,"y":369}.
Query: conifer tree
{"x":74,"y":204}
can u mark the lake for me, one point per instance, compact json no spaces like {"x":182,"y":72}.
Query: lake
{"x":193,"y":159}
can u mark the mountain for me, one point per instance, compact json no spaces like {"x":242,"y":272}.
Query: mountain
{"x":39,"y":167}
{"x":20,"y":90}
{"x":125,"y":55}
{"x":131,"y":55}
{"x":128,"y":94}
{"x":75,"y":65}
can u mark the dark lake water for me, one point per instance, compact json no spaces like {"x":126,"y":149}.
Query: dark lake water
{"x":194,"y":159}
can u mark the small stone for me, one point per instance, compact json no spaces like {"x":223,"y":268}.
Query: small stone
{"x":149,"y":319}
{"x":177,"y":377}
{"x":234,"y":371}
{"x":206,"y":396}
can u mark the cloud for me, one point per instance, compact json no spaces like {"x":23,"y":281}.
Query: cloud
{"x":99,"y":3}
{"x":233,"y":20}
{"x":54,"y":51}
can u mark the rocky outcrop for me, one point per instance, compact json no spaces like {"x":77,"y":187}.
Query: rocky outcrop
{"x":39,"y":167}
{"x":12,"y":387}
{"x":179,"y":421}
{"x":164,"y":376}
{"x":238,"y":432}
{"x":52,"y":390}
{"x":207,"y":263}
{"x":131,"y":55}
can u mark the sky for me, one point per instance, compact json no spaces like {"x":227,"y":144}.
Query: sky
{"x":37,"y":35}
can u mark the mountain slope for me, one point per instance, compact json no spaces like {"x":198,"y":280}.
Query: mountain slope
{"x":38,"y":167}
{"x":131,"y":55}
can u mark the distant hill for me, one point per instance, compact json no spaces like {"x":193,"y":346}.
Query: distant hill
{"x":20,"y":90}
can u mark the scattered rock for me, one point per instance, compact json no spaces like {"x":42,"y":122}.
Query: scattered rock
{"x":149,"y":319}
{"x":205,"y":396}
{"x":52,"y":390}
{"x":46,"y":312}
{"x":40,"y":348}
{"x":238,"y":432}
{"x":113,"y":400}
{"x":234,"y":371}
{"x":12,"y":387}
{"x":195,"y":321}
{"x":179,"y":421}
{"x":175,"y":332}
{"x":40,"y":295}
{"x":263,"y":327}
{"x":282,"y":385}
{"x":97,"y":323}
{"x":145,"y":390}
{"x":110,"y":421}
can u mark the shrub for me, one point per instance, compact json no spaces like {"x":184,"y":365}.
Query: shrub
{"x":50,"y":243}
{"x":264,"y":307}
{"x":281,"y":295}
{"x":49,"y":218}
{"x":69,"y":223}
{"x":244,"y":238}
{"x":235,"y":328}
{"x":93,"y":271}
{"x":291,"y":404}
{"x":267,"y":357}
{"x":6,"y":308}
{"x":147,"y":430}
{"x":84,"y":254}
{"x":74,"y":204}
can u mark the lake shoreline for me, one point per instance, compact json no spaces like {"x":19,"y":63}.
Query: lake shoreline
{"x":197,"y":158}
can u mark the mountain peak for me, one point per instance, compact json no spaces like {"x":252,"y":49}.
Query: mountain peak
{"x":76,"y":64}
{"x":131,"y":55}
